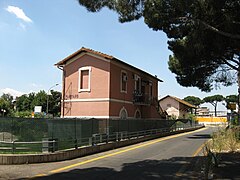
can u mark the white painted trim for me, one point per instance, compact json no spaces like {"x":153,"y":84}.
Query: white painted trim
{"x":121,"y":101}
{"x":89,"y":69}
{"x":120,"y":113}
{"x":150,"y":92}
{"x":121,"y":86}
{"x":88,"y":100}
{"x":98,"y":100}
{"x":138,"y":78}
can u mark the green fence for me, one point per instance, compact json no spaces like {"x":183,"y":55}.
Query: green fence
{"x":33,"y":135}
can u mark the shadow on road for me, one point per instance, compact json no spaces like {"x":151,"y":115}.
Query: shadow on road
{"x":200,"y":136}
{"x":229,"y":166}
{"x":174,"y":168}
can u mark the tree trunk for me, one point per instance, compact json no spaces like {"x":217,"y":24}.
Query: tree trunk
{"x":215,"y":110}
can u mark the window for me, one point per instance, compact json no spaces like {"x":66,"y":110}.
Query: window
{"x":124,"y":81}
{"x":137,"y":83}
{"x":137,"y":114}
{"x":150,"y":89}
{"x":84,"y":79}
{"x":123,"y":113}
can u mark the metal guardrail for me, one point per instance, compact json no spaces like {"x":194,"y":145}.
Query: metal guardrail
{"x":47,"y":146}
{"x":51,"y":145}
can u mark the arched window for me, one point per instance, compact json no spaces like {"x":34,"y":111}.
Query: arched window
{"x":137,"y":114}
{"x":123,"y":113}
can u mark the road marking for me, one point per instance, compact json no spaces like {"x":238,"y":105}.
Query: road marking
{"x":123,"y":151}
{"x":184,"y":167}
{"x":37,"y":176}
{"x":40,"y":175}
{"x":198,"y":150}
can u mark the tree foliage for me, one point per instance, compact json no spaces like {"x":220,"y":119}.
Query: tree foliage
{"x":231,"y":99}
{"x":26,"y":103}
{"x":193,"y":100}
{"x":214,"y":100}
{"x":23,"y":103}
{"x":6,"y":104}
{"x":204,"y":36}
{"x":55,"y":103}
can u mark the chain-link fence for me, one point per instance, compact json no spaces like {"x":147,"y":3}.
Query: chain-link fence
{"x":33,"y":135}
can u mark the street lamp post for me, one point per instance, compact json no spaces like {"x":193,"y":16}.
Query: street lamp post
{"x":48,"y":96}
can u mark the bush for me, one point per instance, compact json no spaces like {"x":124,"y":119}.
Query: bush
{"x":225,"y":140}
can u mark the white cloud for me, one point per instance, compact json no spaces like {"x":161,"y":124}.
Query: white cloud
{"x":19,"y":13}
{"x":13,"y":92}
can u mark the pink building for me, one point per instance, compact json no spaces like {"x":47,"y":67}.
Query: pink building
{"x":97,"y":85}
{"x":176,"y":107}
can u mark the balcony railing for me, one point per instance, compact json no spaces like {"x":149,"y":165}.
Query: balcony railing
{"x":141,"y":99}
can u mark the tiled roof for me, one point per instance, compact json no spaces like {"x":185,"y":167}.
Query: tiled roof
{"x":180,"y":101}
{"x":84,"y":50}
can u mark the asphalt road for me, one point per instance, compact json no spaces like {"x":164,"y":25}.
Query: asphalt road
{"x":172,"y":157}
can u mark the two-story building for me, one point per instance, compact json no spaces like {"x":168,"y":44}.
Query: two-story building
{"x":176,"y":107}
{"x":97,"y":85}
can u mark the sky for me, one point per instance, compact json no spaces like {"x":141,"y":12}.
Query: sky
{"x":34,"y":35}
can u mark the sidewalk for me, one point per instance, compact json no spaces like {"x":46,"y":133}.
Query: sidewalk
{"x":229,"y":166}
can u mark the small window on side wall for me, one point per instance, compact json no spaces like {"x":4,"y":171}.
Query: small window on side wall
{"x":138,"y":114}
{"x":123,"y":113}
{"x":124,"y":79}
{"x":150,"y":89}
{"x":84,"y":79}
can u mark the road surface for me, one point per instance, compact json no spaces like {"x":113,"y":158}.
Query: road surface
{"x":171,"y":157}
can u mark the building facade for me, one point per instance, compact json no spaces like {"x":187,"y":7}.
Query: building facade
{"x":97,"y":85}
{"x":176,"y":107}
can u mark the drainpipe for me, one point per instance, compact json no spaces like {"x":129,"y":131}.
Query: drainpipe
{"x":63,"y":88}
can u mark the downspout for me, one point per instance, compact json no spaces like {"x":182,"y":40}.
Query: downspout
{"x":63,"y":89}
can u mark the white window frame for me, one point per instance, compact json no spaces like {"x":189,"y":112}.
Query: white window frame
{"x":137,"y":78}
{"x":89,"y":69}
{"x":151,"y":89}
{"x":121,"y":86}
{"x":120,"y":113}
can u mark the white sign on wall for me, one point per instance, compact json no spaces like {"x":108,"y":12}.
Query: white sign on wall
{"x":37,"y":109}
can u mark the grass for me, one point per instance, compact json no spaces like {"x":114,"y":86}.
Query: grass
{"x":225,"y":140}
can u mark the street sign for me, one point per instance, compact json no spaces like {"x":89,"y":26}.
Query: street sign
{"x":231,"y":106}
